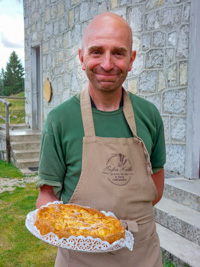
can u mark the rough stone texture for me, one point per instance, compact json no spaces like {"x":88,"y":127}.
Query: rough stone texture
{"x":175,"y":158}
{"x":161,"y":40}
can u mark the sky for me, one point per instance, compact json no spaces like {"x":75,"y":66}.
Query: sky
{"x":11,"y":30}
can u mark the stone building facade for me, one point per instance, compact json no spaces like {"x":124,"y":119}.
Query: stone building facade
{"x":163,"y":34}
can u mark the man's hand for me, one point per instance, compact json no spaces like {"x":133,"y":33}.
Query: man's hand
{"x":46,"y":195}
{"x":158,"y":179}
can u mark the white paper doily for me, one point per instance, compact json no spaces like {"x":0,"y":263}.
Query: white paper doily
{"x":80,"y":243}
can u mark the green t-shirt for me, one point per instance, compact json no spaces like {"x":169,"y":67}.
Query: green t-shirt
{"x":61,"y":143}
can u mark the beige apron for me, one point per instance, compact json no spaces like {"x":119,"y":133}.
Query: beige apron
{"x":116,"y":176}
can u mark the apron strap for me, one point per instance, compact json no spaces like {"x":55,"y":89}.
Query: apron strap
{"x":86,"y":112}
{"x":129,"y":113}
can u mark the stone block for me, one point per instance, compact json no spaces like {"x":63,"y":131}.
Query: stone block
{"x":148,"y":81}
{"x":60,"y":57}
{"x":125,"y":2}
{"x":64,"y":23}
{"x":74,"y":2}
{"x":77,"y":14}
{"x":59,"y":85}
{"x":49,"y":30}
{"x":71,"y":17}
{"x":102,"y":7}
{"x":170,"y":18}
{"x":47,"y":14}
{"x":152,"y":21}
{"x":84,"y":11}
{"x":169,"y":56}
{"x":45,"y":47}
{"x":72,"y":51}
{"x":138,"y":65}
{"x":175,"y":158}
{"x":54,"y":12}
{"x":69,"y":64}
{"x":166,"y":128}
{"x":183,"y":73}
{"x":156,"y":100}
{"x":114,"y":4}
{"x":52,"y":44}
{"x":159,"y":39}
{"x":161,"y":81}
{"x":136,"y":18}
{"x":61,"y":9}
{"x":75,"y":86}
{"x":49,"y":61}
{"x":178,"y":128}
{"x":56,"y":27}
{"x":66,"y":79}
{"x":54,"y":85}
{"x":80,"y":73}
{"x":186,"y":12}
{"x":67,"y":39}
{"x":183,"y":42}
{"x":133,"y":85}
{"x":65,"y":95}
{"x":172,"y":76}
{"x":136,"y":43}
{"x":76,"y":33}
{"x":59,"y":42}
{"x":155,"y":59}
{"x":146,"y":41}
{"x":174,"y":101}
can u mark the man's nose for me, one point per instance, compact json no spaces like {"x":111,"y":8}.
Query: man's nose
{"x":107,"y":62}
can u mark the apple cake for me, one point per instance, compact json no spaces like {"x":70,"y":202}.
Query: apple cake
{"x":67,"y":220}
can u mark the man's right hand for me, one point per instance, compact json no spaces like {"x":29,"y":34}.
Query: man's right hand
{"x":46,"y":195}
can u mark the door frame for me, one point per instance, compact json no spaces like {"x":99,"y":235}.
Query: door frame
{"x":36,"y":87}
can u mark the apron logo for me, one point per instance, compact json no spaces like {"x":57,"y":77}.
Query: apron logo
{"x":118,"y":169}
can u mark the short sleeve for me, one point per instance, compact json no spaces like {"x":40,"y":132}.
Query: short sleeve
{"x":158,"y":155}
{"x":52,"y":165}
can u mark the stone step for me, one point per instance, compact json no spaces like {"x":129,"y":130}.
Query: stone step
{"x":179,"y":219}
{"x":25,"y":145}
{"x":26,"y":163}
{"x":179,"y":250}
{"x":27,"y":137}
{"x":184,"y":191}
{"x":22,"y":126}
{"x":25,"y":154}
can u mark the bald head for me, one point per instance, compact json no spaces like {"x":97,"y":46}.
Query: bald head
{"x":105,"y":21}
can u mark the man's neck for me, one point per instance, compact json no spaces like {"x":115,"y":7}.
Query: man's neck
{"x":106,"y":101}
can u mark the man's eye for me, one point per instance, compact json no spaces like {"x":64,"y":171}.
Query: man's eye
{"x":118,"y":53}
{"x":95,"y":52}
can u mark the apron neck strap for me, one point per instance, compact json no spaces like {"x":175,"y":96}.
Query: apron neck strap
{"x":87,"y":117}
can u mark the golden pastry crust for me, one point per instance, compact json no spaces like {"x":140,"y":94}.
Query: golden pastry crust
{"x":65,"y":220}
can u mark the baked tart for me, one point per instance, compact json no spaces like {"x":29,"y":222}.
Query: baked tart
{"x":67,"y":220}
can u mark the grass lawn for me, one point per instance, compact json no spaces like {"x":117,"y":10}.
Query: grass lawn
{"x":9,"y":170}
{"x":16,"y":111}
{"x":18,"y":247}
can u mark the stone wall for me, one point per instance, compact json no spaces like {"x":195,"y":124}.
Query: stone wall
{"x":161,"y":39}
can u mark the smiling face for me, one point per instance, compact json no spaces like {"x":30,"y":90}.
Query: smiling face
{"x":106,"y":54}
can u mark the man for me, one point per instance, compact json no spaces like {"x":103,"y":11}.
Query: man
{"x":98,"y":147}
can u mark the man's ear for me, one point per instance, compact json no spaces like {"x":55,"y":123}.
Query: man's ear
{"x":80,"y":53}
{"x":133,"y":56}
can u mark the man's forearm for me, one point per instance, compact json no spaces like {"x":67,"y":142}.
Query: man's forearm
{"x":46,"y":195}
{"x":158,"y":179}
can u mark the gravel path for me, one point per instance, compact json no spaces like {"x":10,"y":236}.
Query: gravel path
{"x":7,"y":184}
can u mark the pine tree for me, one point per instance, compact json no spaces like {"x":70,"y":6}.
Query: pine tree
{"x":13,"y":80}
{"x":1,"y":81}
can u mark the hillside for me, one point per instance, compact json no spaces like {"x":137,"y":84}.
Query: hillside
{"x":16,"y":111}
